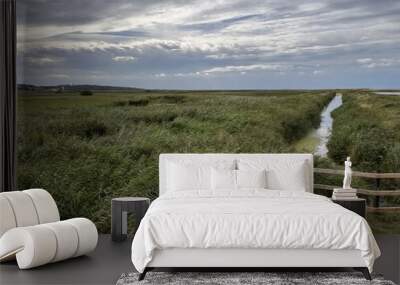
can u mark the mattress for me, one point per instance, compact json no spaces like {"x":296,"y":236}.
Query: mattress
{"x":250,"y":219}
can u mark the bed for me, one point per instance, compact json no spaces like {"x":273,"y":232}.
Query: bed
{"x":245,"y":211}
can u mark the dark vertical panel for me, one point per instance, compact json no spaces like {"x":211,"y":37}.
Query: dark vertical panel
{"x":116,"y":220}
{"x":8,"y":95}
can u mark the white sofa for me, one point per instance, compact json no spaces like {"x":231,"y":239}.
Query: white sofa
{"x":31,"y":231}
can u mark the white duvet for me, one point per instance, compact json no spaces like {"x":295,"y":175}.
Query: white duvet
{"x":250,"y":219}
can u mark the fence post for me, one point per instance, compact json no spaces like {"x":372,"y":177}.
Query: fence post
{"x":377,"y":201}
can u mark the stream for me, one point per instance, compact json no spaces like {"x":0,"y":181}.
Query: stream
{"x":325,"y":128}
{"x":316,"y":141}
{"x":322,"y":134}
{"x":320,"y":137}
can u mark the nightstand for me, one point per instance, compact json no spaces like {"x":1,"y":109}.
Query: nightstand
{"x":357,"y":205}
{"x":120,"y":207}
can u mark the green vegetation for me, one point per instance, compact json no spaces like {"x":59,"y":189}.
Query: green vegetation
{"x":308,"y":143}
{"x":86,"y":150}
{"x":86,"y":93}
{"x":367,"y":127}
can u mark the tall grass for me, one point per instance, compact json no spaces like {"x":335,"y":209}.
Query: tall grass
{"x":86,"y":150}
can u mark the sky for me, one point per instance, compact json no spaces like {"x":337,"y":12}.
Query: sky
{"x":218,"y":44}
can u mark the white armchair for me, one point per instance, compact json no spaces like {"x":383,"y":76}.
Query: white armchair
{"x":31,"y":230}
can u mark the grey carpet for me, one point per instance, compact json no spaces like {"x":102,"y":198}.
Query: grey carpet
{"x":268,"y":278}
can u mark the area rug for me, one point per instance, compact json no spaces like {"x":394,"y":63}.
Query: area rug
{"x":243,"y":278}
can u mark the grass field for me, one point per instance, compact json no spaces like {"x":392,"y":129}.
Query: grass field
{"x":367,"y":127}
{"x":86,"y":150}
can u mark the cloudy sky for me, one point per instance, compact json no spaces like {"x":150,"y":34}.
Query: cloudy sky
{"x":218,"y":44}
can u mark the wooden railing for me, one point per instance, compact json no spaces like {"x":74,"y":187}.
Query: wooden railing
{"x":376,"y":193}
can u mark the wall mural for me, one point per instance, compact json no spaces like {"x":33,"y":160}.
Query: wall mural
{"x":106,"y":86}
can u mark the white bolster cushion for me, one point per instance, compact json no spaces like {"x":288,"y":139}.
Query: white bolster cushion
{"x":33,"y":246}
{"x":23,"y":208}
{"x":37,"y":245}
{"x":87,"y":234}
{"x":7,"y":218}
{"x":67,"y":240}
{"x":45,"y":205}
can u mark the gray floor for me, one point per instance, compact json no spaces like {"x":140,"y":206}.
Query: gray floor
{"x":389,"y":262}
{"x":103,"y":266}
{"x":110,"y":260}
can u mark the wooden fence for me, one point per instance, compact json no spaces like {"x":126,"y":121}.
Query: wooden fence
{"x":376,"y":193}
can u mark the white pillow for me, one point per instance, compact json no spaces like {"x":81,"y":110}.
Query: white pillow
{"x":227,"y":179}
{"x":251,"y":178}
{"x":290,"y":175}
{"x":187,"y":174}
{"x":223,"y":179}
{"x":188,"y":177}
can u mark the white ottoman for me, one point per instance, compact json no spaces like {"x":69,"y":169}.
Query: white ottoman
{"x":31,"y":232}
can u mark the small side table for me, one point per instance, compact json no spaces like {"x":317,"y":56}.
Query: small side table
{"x":120,"y":207}
{"x":357,"y":205}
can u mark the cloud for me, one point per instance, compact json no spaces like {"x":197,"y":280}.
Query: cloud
{"x":44,"y":60}
{"x":244,"y":68}
{"x":380,"y":62}
{"x":123,"y":58}
{"x":203,"y":40}
{"x":364,"y":60}
{"x":160,"y":75}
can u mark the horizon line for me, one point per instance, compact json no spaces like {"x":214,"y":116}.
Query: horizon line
{"x":212,"y":89}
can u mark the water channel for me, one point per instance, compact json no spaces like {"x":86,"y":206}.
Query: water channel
{"x":325,"y":128}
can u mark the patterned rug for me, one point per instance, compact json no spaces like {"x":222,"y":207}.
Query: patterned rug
{"x":243,"y":278}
